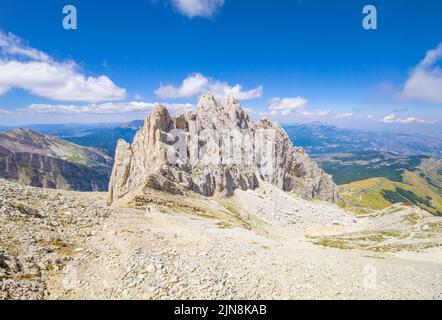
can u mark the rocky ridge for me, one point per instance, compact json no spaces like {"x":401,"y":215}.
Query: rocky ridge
{"x":215,"y":149}
{"x":44,"y":161}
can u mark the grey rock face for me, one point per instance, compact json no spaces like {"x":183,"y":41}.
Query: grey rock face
{"x":43,"y":161}
{"x":216,"y":148}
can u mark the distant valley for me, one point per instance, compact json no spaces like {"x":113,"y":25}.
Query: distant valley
{"x":387,"y":179}
{"x":318,"y":138}
{"x":376,"y":169}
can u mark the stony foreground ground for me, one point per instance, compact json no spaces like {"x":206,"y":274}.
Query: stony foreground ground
{"x":74,"y":247}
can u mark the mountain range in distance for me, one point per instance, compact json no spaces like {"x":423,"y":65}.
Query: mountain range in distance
{"x":103,"y":136}
{"x":44,"y":161}
{"x":373,"y":169}
{"x":316,"y":138}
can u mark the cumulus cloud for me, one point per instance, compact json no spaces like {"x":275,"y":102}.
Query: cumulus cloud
{"x":24,"y":67}
{"x":104,"y":108}
{"x":198,"y":8}
{"x":198,"y":84}
{"x":392,"y":118}
{"x":299,"y":106}
{"x":425,"y":81}
{"x":286,"y":106}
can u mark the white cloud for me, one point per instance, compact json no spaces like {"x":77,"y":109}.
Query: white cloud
{"x":304,"y":113}
{"x":392,"y":118}
{"x":389,"y":119}
{"x":347,"y":115}
{"x":3,"y":112}
{"x":319,"y":113}
{"x":27,"y":68}
{"x":198,"y":84}
{"x":3,"y":89}
{"x":286,"y":106}
{"x":191,"y":86}
{"x":323,"y":113}
{"x":425,"y":81}
{"x":299,"y":106}
{"x":104,"y":108}
{"x":198,"y":8}
{"x":11,"y":45}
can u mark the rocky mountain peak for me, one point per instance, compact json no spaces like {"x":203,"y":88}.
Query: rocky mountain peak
{"x":207,"y":102}
{"x":215,"y":149}
{"x":160,"y":119}
{"x":24,"y":131}
{"x":226,"y":113}
{"x":27,"y":136}
{"x":25,"y":140}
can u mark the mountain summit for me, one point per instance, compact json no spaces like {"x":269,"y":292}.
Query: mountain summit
{"x":215,"y":149}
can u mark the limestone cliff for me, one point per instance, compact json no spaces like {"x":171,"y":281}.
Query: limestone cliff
{"x":216,"y":148}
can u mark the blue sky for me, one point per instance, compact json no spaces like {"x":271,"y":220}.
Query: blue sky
{"x":290,"y":60}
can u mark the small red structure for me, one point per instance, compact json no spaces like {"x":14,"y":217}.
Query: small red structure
{"x":407,"y":204}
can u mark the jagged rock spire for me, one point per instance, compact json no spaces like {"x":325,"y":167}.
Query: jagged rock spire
{"x":216,"y":148}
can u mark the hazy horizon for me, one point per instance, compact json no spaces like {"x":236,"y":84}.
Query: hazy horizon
{"x":436,"y":130}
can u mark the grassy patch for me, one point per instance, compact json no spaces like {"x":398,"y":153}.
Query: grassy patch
{"x":413,"y":218}
{"x":224,"y":225}
{"x":385,"y":241}
{"x":380,"y":193}
{"x":333,"y":243}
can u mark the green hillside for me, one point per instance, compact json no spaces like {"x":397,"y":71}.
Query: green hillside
{"x":351,"y":167}
{"x":379,"y":193}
